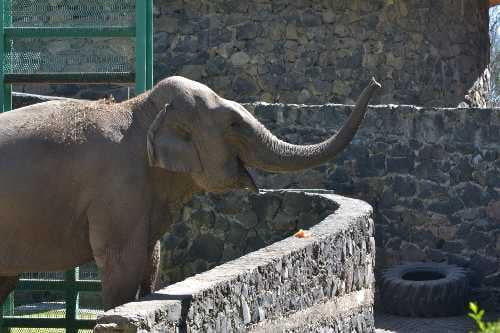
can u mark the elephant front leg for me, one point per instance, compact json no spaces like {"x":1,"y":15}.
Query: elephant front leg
{"x":120,"y":252}
{"x":121,"y":275}
{"x":151,"y":270}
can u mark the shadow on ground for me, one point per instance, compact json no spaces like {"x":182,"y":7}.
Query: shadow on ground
{"x":385,"y":323}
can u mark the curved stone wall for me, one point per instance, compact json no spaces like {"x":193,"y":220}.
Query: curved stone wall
{"x":324,"y":281}
{"x":213,"y":229}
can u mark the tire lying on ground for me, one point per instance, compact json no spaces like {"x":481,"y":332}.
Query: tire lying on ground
{"x":424,"y":290}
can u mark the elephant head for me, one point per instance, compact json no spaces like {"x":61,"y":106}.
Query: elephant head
{"x":215,"y":139}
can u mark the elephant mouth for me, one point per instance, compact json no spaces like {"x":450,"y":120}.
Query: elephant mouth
{"x":246,"y":180}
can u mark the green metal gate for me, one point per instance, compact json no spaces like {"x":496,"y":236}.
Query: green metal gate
{"x":24,"y":25}
{"x":25,"y":21}
{"x":47,"y":316}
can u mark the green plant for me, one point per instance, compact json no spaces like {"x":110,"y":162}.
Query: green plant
{"x":477,"y":315}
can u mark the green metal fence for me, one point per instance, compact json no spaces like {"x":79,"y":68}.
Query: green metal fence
{"x":24,"y":24}
{"x":57,"y":306}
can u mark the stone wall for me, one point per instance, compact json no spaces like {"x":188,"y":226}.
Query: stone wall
{"x":321,"y":283}
{"x":424,"y":52}
{"x":431,"y":174}
{"x":213,"y":229}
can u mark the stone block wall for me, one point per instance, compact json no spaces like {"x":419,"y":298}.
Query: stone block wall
{"x":431,"y":174}
{"x":213,"y":229}
{"x":424,"y":52}
{"x":308,"y":51}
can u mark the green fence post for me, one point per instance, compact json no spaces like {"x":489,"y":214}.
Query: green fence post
{"x":6,"y":55}
{"x":71,"y":300}
{"x":2,"y":56}
{"x":7,"y":309}
{"x":3,"y":329}
{"x":149,"y":44}
{"x":140,"y":46}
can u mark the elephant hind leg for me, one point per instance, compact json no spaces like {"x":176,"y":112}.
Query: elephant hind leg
{"x":7,"y":284}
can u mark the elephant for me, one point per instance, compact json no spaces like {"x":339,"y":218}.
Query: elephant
{"x":98,"y":180}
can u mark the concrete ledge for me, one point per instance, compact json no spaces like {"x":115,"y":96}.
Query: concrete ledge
{"x":301,"y":284}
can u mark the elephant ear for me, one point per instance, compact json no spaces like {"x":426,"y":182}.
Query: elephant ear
{"x":169,"y":149}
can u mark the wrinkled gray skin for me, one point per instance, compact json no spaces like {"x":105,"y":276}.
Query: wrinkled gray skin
{"x":83,"y":180}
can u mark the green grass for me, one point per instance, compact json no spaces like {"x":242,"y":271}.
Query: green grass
{"x":58,"y":314}
{"x":51,"y":314}
{"x":43,"y":330}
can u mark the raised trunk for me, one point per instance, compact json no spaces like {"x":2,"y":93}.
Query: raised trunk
{"x":273,"y":154}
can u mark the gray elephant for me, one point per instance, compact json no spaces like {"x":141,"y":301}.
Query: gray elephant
{"x":83,"y":180}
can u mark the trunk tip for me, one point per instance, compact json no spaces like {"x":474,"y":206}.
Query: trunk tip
{"x":374,"y":83}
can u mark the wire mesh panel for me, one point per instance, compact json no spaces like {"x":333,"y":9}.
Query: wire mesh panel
{"x":41,"y":53}
{"x":72,"y":13}
{"x":82,"y":49}
{"x":53,"y":55}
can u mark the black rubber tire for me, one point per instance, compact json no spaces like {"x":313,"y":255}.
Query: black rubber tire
{"x":443,"y":296}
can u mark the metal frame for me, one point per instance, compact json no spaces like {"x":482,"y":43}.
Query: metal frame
{"x":142,"y":31}
{"x":143,"y":78}
{"x":71,"y":285}
{"x":144,"y":45}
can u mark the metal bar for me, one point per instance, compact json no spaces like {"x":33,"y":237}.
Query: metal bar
{"x":7,"y":88}
{"x":47,"y":323}
{"x":140,"y":47}
{"x":5,"y":310}
{"x":85,"y":77}
{"x":149,"y":44}
{"x":28,"y":32}
{"x":71,"y":300}
{"x":7,"y":97}
{"x":8,"y":305}
{"x":90,"y":285}
{"x":5,"y":105}
{"x":2,"y":57}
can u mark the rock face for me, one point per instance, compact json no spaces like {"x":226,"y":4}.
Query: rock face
{"x":423,"y":52}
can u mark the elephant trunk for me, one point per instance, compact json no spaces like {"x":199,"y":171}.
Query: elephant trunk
{"x":276,"y":155}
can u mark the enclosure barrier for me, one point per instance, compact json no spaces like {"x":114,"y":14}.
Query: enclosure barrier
{"x":18,"y":22}
{"x":320,"y":282}
{"x":72,"y":285}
